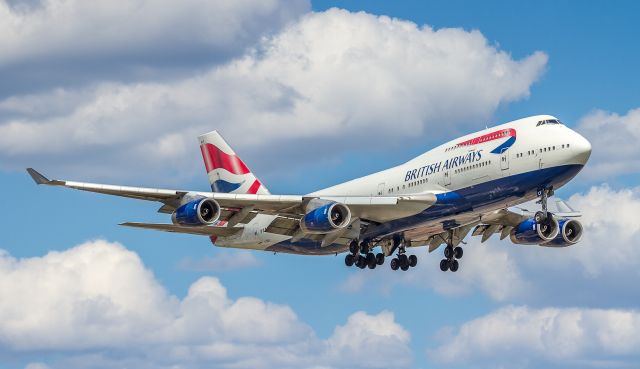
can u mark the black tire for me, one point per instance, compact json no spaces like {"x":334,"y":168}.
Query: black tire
{"x":364,"y":248}
{"x":403,"y":259}
{"x":349,"y":260}
{"x":454,"y":265}
{"x":539,"y":217}
{"x":362,"y":262}
{"x":405,"y":267}
{"x":395,"y":264}
{"x":458,"y":252}
{"x":444,"y":265}
{"x":371,"y":261}
{"x":380,"y":258}
{"x":413,"y":261}
{"x":448,"y":252}
{"x":353,"y":247}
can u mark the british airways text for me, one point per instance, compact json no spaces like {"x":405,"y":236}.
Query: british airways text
{"x":451,"y":163}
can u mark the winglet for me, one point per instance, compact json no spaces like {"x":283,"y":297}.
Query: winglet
{"x":38,"y":177}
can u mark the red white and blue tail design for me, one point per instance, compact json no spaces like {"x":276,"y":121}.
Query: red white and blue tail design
{"x":227,"y":172}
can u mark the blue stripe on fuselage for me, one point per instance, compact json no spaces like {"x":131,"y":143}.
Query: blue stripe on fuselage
{"x":450,"y":204}
{"x":506,"y":145}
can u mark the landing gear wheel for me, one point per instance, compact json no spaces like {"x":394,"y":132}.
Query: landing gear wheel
{"x":361,"y":262}
{"x":458,"y":252}
{"x":353,"y":247}
{"x":444,"y":265}
{"x":395,"y":264}
{"x":405,"y":266}
{"x":380,"y":258}
{"x":540,"y":217}
{"x":454,"y":265}
{"x":371,"y":260}
{"x":413,"y":261}
{"x":448,"y":252}
{"x":364,"y":247}
{"x":403,"y":259}
{"x":349,"y":260}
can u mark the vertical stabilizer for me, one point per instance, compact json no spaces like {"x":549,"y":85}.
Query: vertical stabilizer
{"x":227,"y":172}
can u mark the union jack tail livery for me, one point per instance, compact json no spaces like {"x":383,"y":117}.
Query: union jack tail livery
{"x":227,"y":172}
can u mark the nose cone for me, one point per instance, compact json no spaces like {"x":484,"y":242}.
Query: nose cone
{"x":581,"y":149}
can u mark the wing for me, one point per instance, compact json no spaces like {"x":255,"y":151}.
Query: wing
{"x":370,"y":208}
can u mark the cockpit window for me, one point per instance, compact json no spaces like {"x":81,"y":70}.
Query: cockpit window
{"x":548,"y":121}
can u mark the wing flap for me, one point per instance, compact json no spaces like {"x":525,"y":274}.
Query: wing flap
{"x":201,"y":230}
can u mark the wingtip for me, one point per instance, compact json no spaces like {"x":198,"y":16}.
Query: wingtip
{"x":38,"y":177}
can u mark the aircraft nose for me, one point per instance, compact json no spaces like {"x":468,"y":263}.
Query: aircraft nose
{"x":581,"y":149}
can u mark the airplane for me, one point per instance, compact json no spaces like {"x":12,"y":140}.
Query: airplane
{"x":469,"y":184}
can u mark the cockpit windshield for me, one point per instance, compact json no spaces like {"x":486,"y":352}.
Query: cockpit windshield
{"x":548,"y":121}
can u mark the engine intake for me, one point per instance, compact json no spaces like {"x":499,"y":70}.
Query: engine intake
{"x":197,"y":212}
{"x":570,"y":234}
{"x":529,"y":232}
{"x":326,"y":218}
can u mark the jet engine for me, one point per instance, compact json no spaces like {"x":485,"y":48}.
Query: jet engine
{"x":530,"y":232}
{"x":327,"y":217}
{"x":570,"y":234}
{"x":197,"y":213}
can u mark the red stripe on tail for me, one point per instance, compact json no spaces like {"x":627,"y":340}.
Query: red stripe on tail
{"x":254,"y":187}
{"x":215,"y":158}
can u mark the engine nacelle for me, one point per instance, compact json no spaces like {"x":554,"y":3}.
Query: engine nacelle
{"x":197,"y":212}
{"x":570,"y":234}
{"x":531,"y":233}
{"x":327,"y":217}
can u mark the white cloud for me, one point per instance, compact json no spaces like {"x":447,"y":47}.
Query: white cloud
{"x":96,"y":303}
{"x":614,"y":139}
{"x":309,"y":89}
{"x":522,"y":336}
{"x":136,"y":31}
{"x":221,"y":262}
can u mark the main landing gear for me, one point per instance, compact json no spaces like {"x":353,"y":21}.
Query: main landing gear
{"x":361,"y":255}
{"x":402,"y":261}
{"x":451,"y":256}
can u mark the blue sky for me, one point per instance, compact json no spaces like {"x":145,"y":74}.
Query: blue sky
{"x":309,"y":97}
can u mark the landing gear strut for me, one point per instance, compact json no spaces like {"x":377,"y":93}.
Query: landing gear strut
{"x":361,"y":255}
{"x":544,"y":194}
{"x":451,"y":256}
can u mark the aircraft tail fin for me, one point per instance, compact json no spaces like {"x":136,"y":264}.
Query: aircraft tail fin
{"x":226,"y":171}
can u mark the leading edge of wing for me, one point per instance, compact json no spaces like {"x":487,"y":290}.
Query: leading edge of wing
{"x":197,"y":230}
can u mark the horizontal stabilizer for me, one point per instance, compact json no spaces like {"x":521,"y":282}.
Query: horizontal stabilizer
{"x":199,"y":230}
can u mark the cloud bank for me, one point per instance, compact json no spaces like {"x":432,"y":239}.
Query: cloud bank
{"x":310,"y":88}
{"x":518,"y":336}
{"x":100,"y":305}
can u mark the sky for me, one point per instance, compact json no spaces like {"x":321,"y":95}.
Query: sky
{"x":309,"y":94}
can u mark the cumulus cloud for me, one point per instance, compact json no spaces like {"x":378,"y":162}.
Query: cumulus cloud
{"x":526,"y":337}
{"x":96,"y":303}
{"x":56,"y":41}
{"x":605,"y":263}
{"x":613,"y":137}
{"x":308,"y":89}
